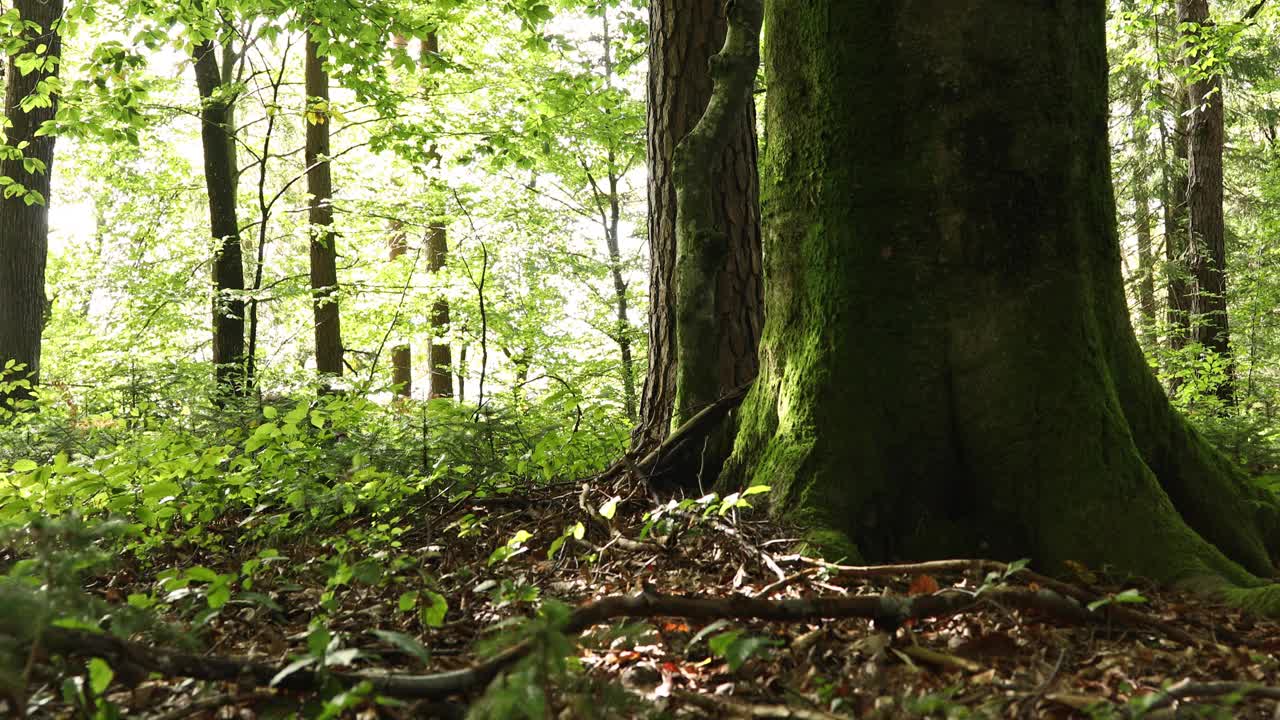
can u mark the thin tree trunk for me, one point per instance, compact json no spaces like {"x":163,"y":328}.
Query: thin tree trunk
{"x":440,"y":354}
{"x":228,"y":262}
{"x":623,"y":330}
{"x":1178,"y":287}
{"x":1207,"y":246}
{"x":24,"y":217}
{"x":682,"y":38}
{"x":611,"y":220}
{"x":324,"y":253}
{"x":401,"y":355}
{"x":1142,"y":221}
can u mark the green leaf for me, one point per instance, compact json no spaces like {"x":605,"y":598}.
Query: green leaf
{"x":433,"y":612}
{"x":290,"y":669}
{"x":408,"y":600}
{"x":100,"y":675}
{"x":406,"y":643}
{"x":737,"y":649}
{"x":318,"y":642}
{"x":23,"y":466}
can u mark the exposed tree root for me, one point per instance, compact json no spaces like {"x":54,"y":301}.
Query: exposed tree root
{"x":653,"y":463}
{"x":888,"y":612}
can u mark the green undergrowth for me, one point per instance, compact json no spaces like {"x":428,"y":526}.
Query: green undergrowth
{"x":205,"y":504}
{"x":290,"y":465}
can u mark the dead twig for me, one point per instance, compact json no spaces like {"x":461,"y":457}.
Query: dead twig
{"x":887,"y":611}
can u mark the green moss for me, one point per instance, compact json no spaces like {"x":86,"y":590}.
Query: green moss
{"x":947,"y":368}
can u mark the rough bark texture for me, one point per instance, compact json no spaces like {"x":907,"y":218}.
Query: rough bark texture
{"x":701,"y":246}
{"x":683,"y":35}
{"x":1207,"y":256}
{"x":324,"y":253}
{"x":228,"y":261}
{"x":24,"y":227}
{"x":948,"y":365}
{"x":401,"y":355}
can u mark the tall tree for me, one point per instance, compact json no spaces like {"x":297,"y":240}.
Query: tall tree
{"x":682,"y":38}
{"x":1142,"y":221}
{"x":1207,"y":255}
{"x":608,"y":201}
{"x":934,"y":256}
{"x":1178,"y":288}
{"x":440,"y":354}
{"x":401,"y":354}
{"x":26,"y":164}
{"x":218,"y":141}
{"x":324,"y":252}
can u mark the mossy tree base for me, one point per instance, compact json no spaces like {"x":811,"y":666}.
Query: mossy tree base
{"x":948,"y":366}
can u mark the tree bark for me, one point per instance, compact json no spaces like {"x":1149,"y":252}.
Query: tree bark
{"x":620,"y":296}
{"x":1207,"y":245}
{"x":1142,"y":223}
{"x":401,"y":355}
{"x":324,"y":252}
{"x":1178,"y":288}
{"x":948,"y":366}
{"x":611,"y":217}
{"x":440,"y":354}
{"x":682,"y":38}
{"x":24,"y":216}
{"x":228,"y":262}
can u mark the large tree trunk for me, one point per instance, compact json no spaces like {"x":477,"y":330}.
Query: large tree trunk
{"x":228,"y":262}
{"x":1208,"y":255}
{"x":24,"y":216}
{"x":682,"y":38}
{"x":948,"y":365}
{"x":324,"y":253}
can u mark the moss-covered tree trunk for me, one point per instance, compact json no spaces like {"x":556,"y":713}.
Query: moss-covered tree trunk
{"x":948,"y":365}
{"x":24,"y":217}
{"x":683,"y":35}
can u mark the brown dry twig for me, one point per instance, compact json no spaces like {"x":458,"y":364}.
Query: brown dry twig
{"x":888,"y":612}
{"x":1118,"y":613}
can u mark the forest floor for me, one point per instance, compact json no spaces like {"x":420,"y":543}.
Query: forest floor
{"x":1003,"y":644}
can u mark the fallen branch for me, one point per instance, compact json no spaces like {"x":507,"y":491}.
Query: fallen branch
{"x":1121,"y":614}
{"x":728,"y":707}
{"x":887,"y":611}
{"x":1190,"y":689}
